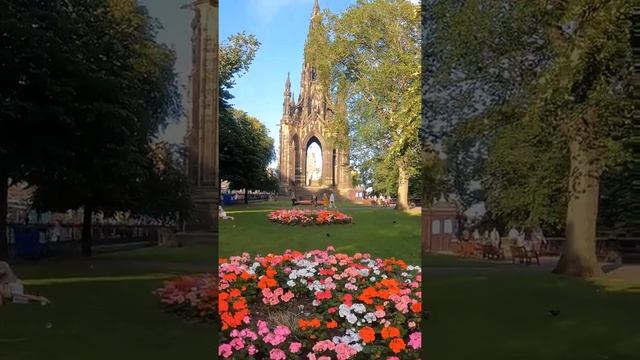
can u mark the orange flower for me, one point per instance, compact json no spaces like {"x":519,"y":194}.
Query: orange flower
{"x":303,"y":324}
{"x":265,"y":282}
{"x":396,"y":345}
{"x":230,"y":277}
{"x":271,"y":272}
{"x":417,"y":307}
{"x":367,"y":334}
{"x":390,"y":332}
{"x":239,"y":304}
{"x":332,"y":324}
{"x":245,"y":275}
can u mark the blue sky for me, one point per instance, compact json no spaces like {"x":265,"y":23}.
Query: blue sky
{"x":281,"y":27}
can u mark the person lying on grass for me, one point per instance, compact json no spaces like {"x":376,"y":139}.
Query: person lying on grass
{"x":11,"y":287}
{"x":223,"y":214}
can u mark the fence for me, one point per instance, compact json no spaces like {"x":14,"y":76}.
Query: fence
{"x":102,"y":234}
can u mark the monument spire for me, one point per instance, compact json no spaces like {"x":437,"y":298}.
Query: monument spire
{"x":316,"y":9}
{"x":287,"y":97}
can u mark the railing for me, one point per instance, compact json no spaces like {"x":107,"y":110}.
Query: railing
{"x":102,"y":234}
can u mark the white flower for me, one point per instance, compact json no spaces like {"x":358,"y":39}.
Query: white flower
{"x":359,"y":308}
{"x":291,"y":283}
{"x":351,"y":318}
{"x":372,"y":279}
{"x":370,"y":317}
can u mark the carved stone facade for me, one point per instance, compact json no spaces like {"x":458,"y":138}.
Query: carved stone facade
{"x":202,"y":114}
{"x":304,"y":122}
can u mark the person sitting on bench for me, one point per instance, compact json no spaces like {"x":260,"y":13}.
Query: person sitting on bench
{"x":11,"y":287}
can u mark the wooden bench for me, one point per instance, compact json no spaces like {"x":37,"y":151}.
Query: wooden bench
{"x":490,"y":251}
{"x":523,"y":255}
{"x":470,"y":249}
{"x":304,"y":202}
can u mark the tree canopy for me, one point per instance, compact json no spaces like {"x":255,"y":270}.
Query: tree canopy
{"x":115,"y":88}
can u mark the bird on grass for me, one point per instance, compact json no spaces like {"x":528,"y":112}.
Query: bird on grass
{"x":553,"y":313}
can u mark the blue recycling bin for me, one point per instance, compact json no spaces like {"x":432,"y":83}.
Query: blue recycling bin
{"x":27,"y":242}
{"x":227,"y":199}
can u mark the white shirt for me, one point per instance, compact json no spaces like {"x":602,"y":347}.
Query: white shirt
{"x":331,"y":198}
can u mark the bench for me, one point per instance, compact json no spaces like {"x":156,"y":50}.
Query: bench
{"x":523,"y":255}
{"x":470,"y":249}
{"x":490,"y":251}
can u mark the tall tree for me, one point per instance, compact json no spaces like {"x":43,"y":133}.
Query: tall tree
{"x":247,"y":152}
{"x":559,"y":66}
{"x":376,"y":50}
{"x":585,"y":96}
{"x":36,"y":64}
{"x":126,"y":93}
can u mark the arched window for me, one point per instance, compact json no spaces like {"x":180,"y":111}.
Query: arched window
{"x":435,"y":227}
{"x":448,"y":226}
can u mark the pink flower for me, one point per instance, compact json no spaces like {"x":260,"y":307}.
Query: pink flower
{"x":412,"y":324}
{"x":345,"y":351}
{"x":324,"y":345}
{"x":252,"y":350}
{"x":282,"y":330}
{"x":295,"y":347}
{"x":393,"y":358}
{"x":237,"y":343}
{"x":415,"y":340}
{"x":287,"y":296}
{"x":277,"y":354}
{"x":225,"y":350}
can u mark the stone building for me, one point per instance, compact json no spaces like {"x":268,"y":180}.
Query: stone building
{"x":308,"y":159}
{"x":201,"y":139}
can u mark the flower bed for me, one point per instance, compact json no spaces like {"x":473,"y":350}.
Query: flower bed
{"x":316,"y":305}
{"x":191,"y":296}
{"x":309,"y":217}
{"x":319,"y":305}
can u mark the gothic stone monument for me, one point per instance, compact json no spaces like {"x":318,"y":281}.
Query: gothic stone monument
{"x":202,"y":133}
{"x":308,"y":160}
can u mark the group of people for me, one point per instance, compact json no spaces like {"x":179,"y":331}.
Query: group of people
{"x":327,"y":201}
{"x":530,"y":239}
{"x":381,"y":200}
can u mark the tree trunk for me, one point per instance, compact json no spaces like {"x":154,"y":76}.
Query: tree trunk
{"x":246,"y":196}
{"x":4,"y":194}
{"x":403,"y":189}
{"x":579,"y":253}
{"x":86,"y":240}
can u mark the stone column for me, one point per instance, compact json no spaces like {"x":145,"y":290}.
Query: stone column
{"x":203,"y":135}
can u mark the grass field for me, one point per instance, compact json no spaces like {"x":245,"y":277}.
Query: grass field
{"x":380,"y":232}
{"x":104,"y":309}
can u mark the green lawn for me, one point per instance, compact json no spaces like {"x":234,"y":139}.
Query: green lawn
{"x":479,"y":309}
{"x":102,"y":309}
{"x":503,"y":315}
{"x":380,"y":232}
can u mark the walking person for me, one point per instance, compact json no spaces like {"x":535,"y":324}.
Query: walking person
{"x":325,"y":200}
{"x":332,"y":201}
{"x":293,"y":199}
